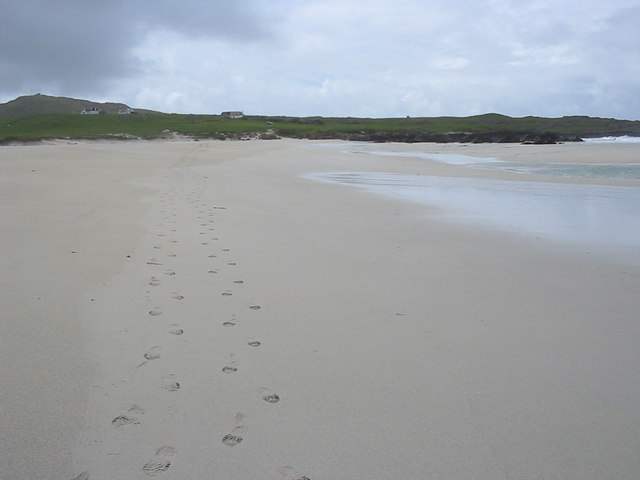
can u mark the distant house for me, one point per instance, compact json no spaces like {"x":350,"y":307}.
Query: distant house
{"x":91,"y":111}
{"x":232,"y":114}
{"x":126,"y":111}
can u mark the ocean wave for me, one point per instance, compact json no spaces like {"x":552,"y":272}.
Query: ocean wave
{"x":621,"y":139}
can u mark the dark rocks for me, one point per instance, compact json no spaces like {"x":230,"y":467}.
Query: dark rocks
{"x":450,"y":137}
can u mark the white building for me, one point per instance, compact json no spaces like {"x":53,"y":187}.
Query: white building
{"x":232,"y":114}
{"x":91,"y":111}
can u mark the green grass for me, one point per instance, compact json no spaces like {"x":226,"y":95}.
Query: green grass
{"x":143,"y":126}
{"x":212,"y":126}
{"x":587,"y":126}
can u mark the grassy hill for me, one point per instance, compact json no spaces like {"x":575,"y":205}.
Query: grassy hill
{"x":31,"y":105}
{"x":39,"y":116}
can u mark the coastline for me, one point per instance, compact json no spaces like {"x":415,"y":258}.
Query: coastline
{"x":400,"y":345}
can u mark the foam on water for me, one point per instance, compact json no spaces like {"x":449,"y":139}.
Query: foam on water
{"x":599,"y":217}
{"x":622,"y":139}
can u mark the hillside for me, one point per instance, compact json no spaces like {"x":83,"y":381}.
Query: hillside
{"x":490,"y":125}
{"x":37,"y":117}
{"x":32,"y":105}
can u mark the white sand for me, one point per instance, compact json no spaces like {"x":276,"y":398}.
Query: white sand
{"x":399,"y":346}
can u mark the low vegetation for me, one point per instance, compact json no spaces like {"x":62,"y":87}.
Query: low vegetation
{"x":147,"y":126}
{"x":150,"y":126}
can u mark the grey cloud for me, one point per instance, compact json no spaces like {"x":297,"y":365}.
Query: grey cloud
{"x":82,"y":46}
{"x":237,"y":20}
{"x":329,"y":57}
{"x":621,"y":31}
{"x":47,"y":44}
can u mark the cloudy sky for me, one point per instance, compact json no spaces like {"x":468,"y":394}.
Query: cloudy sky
{"x":374,"y":58}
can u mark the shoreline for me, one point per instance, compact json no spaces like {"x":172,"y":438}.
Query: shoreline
{"x":402,"y":345}
{"x":452,"y":138}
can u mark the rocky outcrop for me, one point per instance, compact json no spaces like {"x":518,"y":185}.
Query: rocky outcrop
{"x":451,"y":137}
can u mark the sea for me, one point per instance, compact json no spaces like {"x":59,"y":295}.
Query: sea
{"x":595,"y":218}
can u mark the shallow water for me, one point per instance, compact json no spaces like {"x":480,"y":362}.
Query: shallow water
{"x":604,"y":218}
{"x":580,"y":170}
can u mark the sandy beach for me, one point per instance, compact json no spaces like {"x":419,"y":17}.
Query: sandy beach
{"x":205,"y":310}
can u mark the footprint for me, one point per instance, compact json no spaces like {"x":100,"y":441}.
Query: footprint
{"x":229,"y":369}
{"x":153,"y":353}
{"x":271,"y":398}
{"x":155,"y":312}
{"x":121,"y":420}
{"x":174,"y":329}
{"x":227,"y":294}
{"x":169,"y":382}
{"x":254,"y":343}
{"x":166,"y":451}
{"x":177,"y":296}
{"x":232,"y":263}
{"x":153,"y":261}
{"x":212,"y":271}
{"x":255,"y":307}
{"x":129,"y":418}
{"x":212,"y":256}
{"x":228,"y":324}
{"x":234,"y":438}
{"x":231,"y":440}
{"x":239,"y":282}
{"x":154,"y":281}
{"x":160,"y":463}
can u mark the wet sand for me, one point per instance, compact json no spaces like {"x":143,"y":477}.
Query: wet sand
{"x":194,"y":310}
